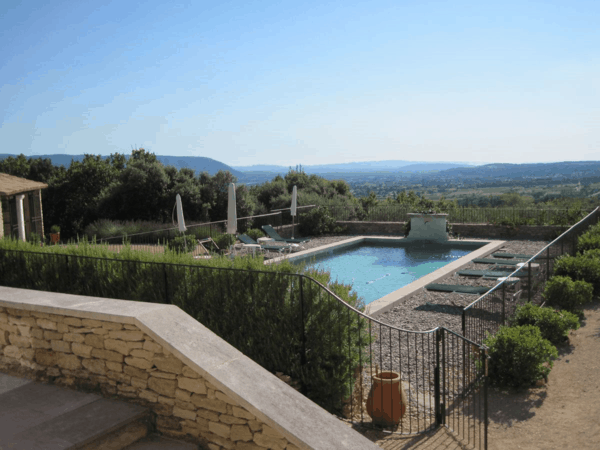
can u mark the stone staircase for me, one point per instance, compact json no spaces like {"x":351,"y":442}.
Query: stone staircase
{"x":38,"y":416}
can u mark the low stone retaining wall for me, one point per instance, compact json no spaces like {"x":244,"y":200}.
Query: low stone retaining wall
{"x":467,"y":230}
{"x":526,"y":232}
{"x":198,"y":386}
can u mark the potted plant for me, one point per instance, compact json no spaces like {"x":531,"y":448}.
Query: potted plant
{"x":54,"y":234}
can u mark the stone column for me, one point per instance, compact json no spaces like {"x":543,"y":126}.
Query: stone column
{"x":1,"y":220}
{"x":39,"y":199}
{"x":20,"y":216}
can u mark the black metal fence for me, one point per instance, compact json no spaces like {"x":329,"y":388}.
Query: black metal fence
{"x":399,"y":213}
{"x":489,"y":312}
{"x":294,"y":324}
{"x":213,"y":230}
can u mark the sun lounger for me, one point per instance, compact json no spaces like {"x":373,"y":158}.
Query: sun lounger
{"x":275,"y":236}
{"x":496,"y":261}
{"x":511,"y":255}
{"x":208,"y":240}
{"x":457,"y":288}
{"x":489,"y":273}
{"x":273,"y":248}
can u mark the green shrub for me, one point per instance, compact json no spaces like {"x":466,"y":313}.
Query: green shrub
{"x":253,"y":307}
{"x":554,"y":325}
{"x":591,"y":253}
{"x":255,"y":233}
{"x":55,"y":229}
{"x":579,"y":268}
{"x":223,"y":241}
{"x":318,"y":221}
{"x":519,"y":356}
{"x":34,"y":239}
{"x":181,"y":244}
{"x":588,"y":241}
{"x":105,"y":228}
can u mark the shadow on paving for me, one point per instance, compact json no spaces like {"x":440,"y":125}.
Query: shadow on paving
{"x":446,"y":309}
{"x":507,"y":406}
{"x":440,"y":439}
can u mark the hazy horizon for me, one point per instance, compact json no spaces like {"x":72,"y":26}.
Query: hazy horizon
{"x":308,"y":83}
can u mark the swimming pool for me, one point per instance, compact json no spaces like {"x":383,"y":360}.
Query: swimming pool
{"x":376,"y":269}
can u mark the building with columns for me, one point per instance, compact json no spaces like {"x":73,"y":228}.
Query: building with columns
{"x":21,"y":212}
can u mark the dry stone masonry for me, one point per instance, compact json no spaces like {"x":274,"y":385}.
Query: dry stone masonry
{"x":121,"y":360}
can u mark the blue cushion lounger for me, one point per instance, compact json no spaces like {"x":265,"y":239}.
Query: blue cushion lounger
{"x":457,"y":288}
{"x":275,"y":236}
{"x":501,"y":262}
{"x":489,"y":273}
{"x":273,"y":248}
{"x":511,"y":255}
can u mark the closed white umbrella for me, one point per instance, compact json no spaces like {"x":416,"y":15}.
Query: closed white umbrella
{"x":294,"y":200}
{"x":231,"y":211}
{"x":294,"y":208}
{"x":180,"y":221}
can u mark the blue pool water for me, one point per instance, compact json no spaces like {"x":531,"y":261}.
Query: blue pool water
{"x":376,"y":270}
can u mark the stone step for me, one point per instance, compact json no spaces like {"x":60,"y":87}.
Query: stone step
{"x":156,"y":442}
{"x":41,"y":416}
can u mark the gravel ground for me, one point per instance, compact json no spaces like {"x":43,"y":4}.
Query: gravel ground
{"x":313,"y":243}
{"x":429,"y":309}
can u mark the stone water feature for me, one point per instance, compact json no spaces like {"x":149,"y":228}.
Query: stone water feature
{"x":428,"y":227}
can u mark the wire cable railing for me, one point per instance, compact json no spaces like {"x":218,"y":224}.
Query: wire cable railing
{"x":489,"y":312}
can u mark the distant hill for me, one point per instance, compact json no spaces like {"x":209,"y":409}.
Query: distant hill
{"x":358,"y":167}
{"x":197,"y":163}
{"x":566,"y":169}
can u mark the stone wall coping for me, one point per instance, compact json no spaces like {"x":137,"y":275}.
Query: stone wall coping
{"x":302,"y":422}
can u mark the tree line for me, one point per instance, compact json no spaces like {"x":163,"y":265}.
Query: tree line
{"x":138,"y":187}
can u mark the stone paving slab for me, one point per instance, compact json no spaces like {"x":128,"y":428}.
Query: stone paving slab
{"x":34,"y":415}
{"x":8,"y":382}
{"x":30,"y":405}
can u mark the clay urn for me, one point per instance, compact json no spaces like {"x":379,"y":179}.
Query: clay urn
{"x":386,"y":403}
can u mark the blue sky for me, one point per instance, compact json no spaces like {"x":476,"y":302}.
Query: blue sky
{"x":260,"y":82}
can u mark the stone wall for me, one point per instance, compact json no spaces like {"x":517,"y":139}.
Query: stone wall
{"x":122,"y":359}
{"x":525,"y":232}
{"x":374,"y":228}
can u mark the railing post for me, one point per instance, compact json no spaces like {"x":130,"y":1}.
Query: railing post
{"x":439,"y":420}
{"x":529,"y":282}
{"x":464,"y":322}
{"x":484,"y":356}
{"x":303,"y":337}
{"x":548,"y":263}
{"x":503,"y":302}
{"x":166,"y":284}
{"x":68,"y":270}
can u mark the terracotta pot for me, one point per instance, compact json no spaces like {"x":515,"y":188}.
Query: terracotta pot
{"x":54,"y":238}
{"x":386,"y":403}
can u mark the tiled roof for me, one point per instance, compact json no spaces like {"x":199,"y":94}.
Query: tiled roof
{"x":10,"y":185}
